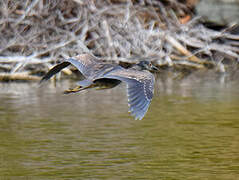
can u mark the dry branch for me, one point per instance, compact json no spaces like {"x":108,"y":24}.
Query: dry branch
{"x":40,"y":33}
{"x":18,"y":77}
{"x":182,"y":49}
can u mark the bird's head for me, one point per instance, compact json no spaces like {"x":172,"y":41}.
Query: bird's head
{"x":146,"y":65}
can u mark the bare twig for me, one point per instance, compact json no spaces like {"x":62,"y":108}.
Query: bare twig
{"x":182,"y":49}
{"x":29,"y":8}
{"x":39,"y":33}
{"x":18,"y":76}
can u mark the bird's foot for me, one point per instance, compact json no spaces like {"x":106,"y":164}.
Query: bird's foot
{"x":73,"y":90}
{"x":79,"y":88}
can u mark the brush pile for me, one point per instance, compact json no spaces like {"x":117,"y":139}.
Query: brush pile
{"x":36,"y":34}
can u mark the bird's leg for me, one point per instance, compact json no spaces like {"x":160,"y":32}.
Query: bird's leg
{"x":73,"y":90}
{"x":106,"y":85}
{"x":103,"y":87}
{"x":78,"y":88}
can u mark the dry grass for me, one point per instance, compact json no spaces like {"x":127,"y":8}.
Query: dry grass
{"x":34,"y":34}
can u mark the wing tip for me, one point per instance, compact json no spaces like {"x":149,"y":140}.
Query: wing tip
{"x":43,"y":80}
{"x":139,"y":112}
{"x":57,"y":68}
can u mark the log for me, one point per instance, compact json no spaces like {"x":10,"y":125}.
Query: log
{"x":18,"y":77}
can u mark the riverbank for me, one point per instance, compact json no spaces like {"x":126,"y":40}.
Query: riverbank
{"x":35,"y":35}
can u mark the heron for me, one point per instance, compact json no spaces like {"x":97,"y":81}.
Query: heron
{"x":102,"y":75}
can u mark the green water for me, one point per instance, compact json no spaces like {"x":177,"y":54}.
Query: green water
{"x":191,"y":131}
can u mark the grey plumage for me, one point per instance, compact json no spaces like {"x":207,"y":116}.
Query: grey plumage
{"x":140,"y":83}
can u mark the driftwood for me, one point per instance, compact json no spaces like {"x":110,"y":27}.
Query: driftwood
{"x":39,"y":33}
{"x":18,"y":77}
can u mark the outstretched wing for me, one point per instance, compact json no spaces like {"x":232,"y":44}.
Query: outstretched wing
{"x":90,"y":67}
{"x":83,"y":63}
{"x":140,"y":87}
{"x":54,"y":70}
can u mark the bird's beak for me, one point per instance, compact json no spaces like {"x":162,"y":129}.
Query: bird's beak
{"x":154,"y":68}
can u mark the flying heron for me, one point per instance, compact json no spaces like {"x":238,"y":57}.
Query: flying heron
{"x":102,"y":75}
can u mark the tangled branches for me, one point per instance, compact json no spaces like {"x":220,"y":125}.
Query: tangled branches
{"x":36,"y":33}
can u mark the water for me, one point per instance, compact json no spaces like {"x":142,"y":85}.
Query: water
{"x":191,"y":131}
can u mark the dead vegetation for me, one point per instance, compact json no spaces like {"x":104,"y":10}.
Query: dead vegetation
{"x":35,"y":34}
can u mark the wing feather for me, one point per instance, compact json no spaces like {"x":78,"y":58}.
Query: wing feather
{"x":140,"y":87}
{"x":88,"y":65}
{"x":54,"y":71}
{"x":140,"y":84}
{"x":83,"y":63}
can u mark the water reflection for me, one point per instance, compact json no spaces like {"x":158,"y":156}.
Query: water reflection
{"x":190,"y":132}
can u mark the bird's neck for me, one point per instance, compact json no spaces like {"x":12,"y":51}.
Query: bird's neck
{"x":137,"y":67}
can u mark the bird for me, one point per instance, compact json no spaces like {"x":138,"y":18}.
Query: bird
{"x":102,"y":75}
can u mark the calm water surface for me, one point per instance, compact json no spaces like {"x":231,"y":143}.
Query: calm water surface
{"x":191,"y":131}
